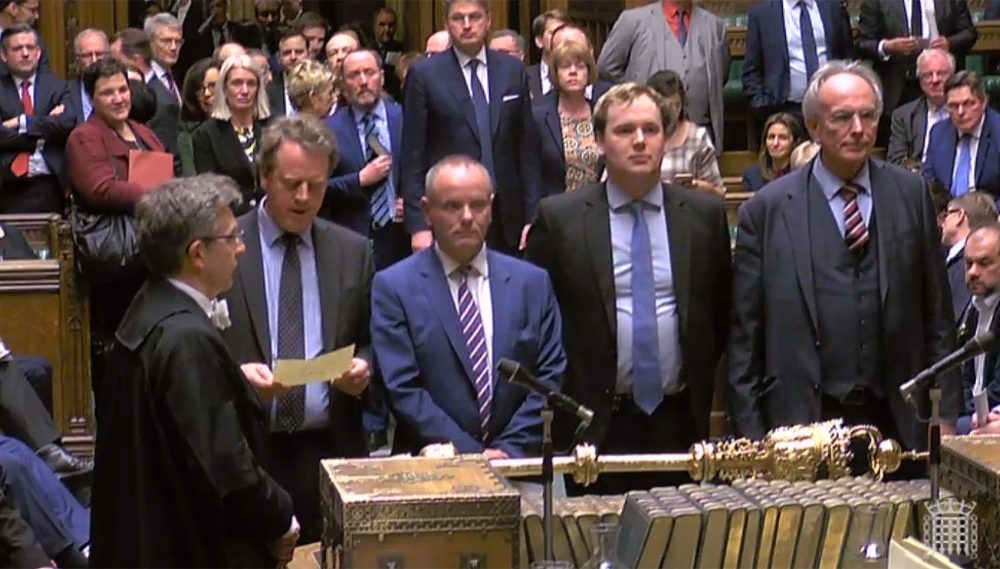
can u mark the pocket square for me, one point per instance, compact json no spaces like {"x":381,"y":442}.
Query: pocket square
{"x":510,"y":97}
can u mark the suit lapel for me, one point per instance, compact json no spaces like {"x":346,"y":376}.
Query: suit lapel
{"x":351,"y":144}
{"x":679,"y":236}
{"x":438,"y":294}
{"x":502,"y":298}
{"x":662,"y":30}
{"x":777,"y":10}
{"x":251,"y":271}
{"x":597,"y":234}
{"x":919,"y":125}
{"x":455,"y":78}
{"x":76,"y":97}
{"x":554,"y":124}
{"x":327,"y":257}
{"x":229,"y":135}
{"x":985,"y":149}
{"x":796,"y":214}
{"x":41,"y":94}
{"x":395,"y":120}
{"x":885,"y":202}
{"x":497,"y":88}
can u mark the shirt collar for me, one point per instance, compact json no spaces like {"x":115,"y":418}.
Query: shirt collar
{"x":795,"y":3}
{"x":158,"y":70}
{"x":618,"y":199}
{"x":270,"y":231}
{"x":978,"y":131}
{"x":988,"y":303}
{"x":18,"y":81}
{"x":378,"y":111}
{"x":478,"y":263}
{"x":955,"y":250}
{"x":672,"y":10}
{"x":203,"y":301}
{"x":831,"y":184}
{"x":543,"y":69}
{"x":463,"y":60}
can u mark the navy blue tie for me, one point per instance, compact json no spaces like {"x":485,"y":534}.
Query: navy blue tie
{"x":809,"y":49}
{"x":647,"y":374}
{"x":482,"y":107}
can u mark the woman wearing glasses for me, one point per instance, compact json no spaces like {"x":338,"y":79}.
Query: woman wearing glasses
{"x":198,"y":98}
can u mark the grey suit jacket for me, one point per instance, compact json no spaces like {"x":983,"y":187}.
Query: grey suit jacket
{"x":909,"y":126}
{"x":637,"y":48}
{"x":774,"y":373}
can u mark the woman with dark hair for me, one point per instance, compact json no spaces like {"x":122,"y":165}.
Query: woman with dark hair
{"x":782,"y":133}
{"x":197,"y":99}
{"x":689,"y":157}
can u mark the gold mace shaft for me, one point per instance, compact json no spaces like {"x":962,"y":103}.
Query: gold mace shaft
{"x":607,"y":464}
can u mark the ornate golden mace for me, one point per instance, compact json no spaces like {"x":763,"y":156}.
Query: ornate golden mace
{"x":801,"y":452}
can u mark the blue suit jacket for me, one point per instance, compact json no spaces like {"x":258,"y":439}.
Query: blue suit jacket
{"x":765,"y":69}
{"x":421,"y":352}
{"x":347,"y":203}
{"x":441,"y":121}
{"x":940,"y":162}
{"x":553,"y":155}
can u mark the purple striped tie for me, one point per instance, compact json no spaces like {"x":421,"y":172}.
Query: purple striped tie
{"x":855,"y":231}
{"x":475,"y":340}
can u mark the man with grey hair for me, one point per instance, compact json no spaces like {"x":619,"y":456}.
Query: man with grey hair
{"x":438,"y":42}
{"x":442,"y":321}
{"x":509,"y":42}
{"x":302,"y":290}
{"x":912,"y":122}
{"x":89,"y":46}
{"x":841,"y":294}
{"x":165,"y":39}
{"x":178,"y":482}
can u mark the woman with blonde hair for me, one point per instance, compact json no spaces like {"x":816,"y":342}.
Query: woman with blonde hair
{"x":312,"y":89}
{"x":226,"y":143}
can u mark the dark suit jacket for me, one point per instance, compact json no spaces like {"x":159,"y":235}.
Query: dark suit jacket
{"x":909,"y":126}
{"x":774,"y":367}
{"x":553,"y":155}
{"x":765,"y":69}
{"x":535,"y":81}
{"x":193,"y":49}
{"x":881,"y":20}
{"x":218,"y":150}
{"x":992,"y":11}
{"x":20,"y":548}
{"x":422,"y":353}
{"x":276,"y":94}
{"x":940,"y":162}
{"x":440,"y":121}
{"x":753,"y":178}
{"x":50,"y":92}
{"x":960,"y":295}
{"x":97,"y":163}
{"x":348,"y":203}
{"x":991,"y":370}
{"x":75,"y":88}
{"x":166,"y":122}
{"x":13,"y":245}
{"x":571,"y":239}
{"x":343,"y":264}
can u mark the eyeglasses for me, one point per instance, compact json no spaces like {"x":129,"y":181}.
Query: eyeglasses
{"x":234,"y":237}
{"x":845,"y":118}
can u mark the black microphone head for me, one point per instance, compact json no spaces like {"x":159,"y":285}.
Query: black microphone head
{"x":508,"y":368}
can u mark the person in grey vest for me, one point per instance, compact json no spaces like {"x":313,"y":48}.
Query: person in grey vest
{"x":673,"y":35}
{"x":840,"y":290}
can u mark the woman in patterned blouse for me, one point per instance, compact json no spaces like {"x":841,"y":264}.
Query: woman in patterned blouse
{"x":689,"y":157}
{"x":227,"y":143}
{"x":564,"y":118}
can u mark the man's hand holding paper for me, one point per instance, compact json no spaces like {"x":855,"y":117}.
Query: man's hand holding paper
{"x":355,"y":380}
{"x":262,"y":380}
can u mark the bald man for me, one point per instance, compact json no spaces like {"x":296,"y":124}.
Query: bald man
{"x":227,"y":50}
{"x":437,"y":43}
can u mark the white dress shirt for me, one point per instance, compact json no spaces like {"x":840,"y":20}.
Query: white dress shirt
{"x":955,"y":250}
{"x":934,"y":116}
{"x":797,"y":79}
{"x":481,"y":72}
{"x":37,"y":166}
{"x":479,"y":288}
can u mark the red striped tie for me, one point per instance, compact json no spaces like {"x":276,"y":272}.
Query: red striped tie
{"x":855,"y":231}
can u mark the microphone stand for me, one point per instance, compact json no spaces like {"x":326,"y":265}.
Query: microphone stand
{"x":934,"y":441}
{"x":548,"y":475}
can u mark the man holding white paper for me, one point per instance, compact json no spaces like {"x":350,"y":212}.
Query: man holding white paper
{"x":302,"y":290}
{"x":982,"y":375}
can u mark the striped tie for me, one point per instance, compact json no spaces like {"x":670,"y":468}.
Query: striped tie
{"x":381,"y":203}
{"x":475,"y":340}
{"x":855,"y":231}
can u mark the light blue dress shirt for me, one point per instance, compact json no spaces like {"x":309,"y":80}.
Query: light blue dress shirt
{"x":273,"y":254}
{"x":797,"y":82}
{"x":88,"y":105}
{"x":667,"y":318}
{"x":382,"y":128}
{"x":831,"y":184}
{"x":37,"y":166}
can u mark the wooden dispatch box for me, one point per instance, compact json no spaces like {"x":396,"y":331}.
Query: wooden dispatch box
{"x":414,"y":513}
{"x":970,"y":467}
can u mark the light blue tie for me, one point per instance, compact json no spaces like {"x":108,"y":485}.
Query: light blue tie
{"x":647,"y":375}
{"x":960,"y":184}
{"x":482,"y":108}
{"x":382,"y":197}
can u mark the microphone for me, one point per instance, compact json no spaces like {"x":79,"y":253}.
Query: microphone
{"x":376,"y":145}
{"x":977,"y":345}
{"x":519,"y":376}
